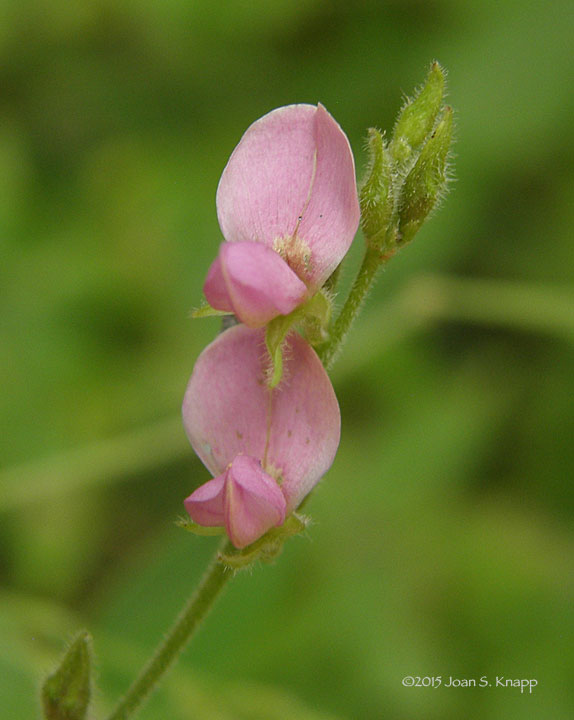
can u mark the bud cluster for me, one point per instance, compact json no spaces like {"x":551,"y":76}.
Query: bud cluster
{"x":407,"y":177}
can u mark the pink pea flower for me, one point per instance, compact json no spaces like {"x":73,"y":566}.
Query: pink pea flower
{"x":266,"y":448}
{"x":287,"y":206}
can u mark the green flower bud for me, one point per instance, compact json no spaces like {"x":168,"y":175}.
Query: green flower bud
{"x":426,"y":182}
{"x":66,"y":693}
{"x":376,"y":193}
{"x":417,"y":118}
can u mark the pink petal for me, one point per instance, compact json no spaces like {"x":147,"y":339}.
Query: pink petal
{"x":306,"y":423}
{"x":226,"y":405}
{"x":215,"y":289}
{"x":293,"y":169}
{"x":254,"y":502}
{"x":205,"y":505}
{"x":254,"y":282}
{"x":331,"y":219}
{"x":264,"y":187}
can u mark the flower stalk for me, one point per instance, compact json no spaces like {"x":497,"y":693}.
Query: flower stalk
{"x":218,"y":574}
{"x":372,"y":261}
{"x":214,"y":580}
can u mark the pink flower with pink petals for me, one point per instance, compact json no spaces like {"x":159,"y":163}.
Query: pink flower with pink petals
{"x":266,"y":448}
{"x":288,"y":209}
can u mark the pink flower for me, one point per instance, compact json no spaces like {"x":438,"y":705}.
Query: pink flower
{"x":266,"y":448}
{"x":244,"y":498}
{"x":287,"y":206}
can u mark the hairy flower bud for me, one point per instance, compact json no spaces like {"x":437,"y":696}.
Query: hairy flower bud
{"x":417,"y":118}
{"x":66,"y":693}
{"x":426,"y":182}
{"x":376,"y":193}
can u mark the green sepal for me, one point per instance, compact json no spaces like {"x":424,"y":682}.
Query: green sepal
{"x":317,"y":317}
{"x":66,"y":693}
{"x":196,"y":529}
{"x":331,"y":282}
{"x":418,"y":116}
{"x":315,"y":313}
{"x":275,"y":335}
{"x":205,"y":310}
{"x":268,"y":547}
{"x":376,"y":192}
{"x":426,"y":183}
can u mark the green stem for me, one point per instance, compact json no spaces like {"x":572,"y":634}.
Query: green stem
{"x":372,"y":261}
{"x":199,"y":604}
{"x":217,"y":575}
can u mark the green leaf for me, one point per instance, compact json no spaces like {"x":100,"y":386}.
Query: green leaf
{"x":66,"y":693}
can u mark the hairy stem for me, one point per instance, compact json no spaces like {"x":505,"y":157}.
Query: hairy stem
{"x":198,"y":606}
{"x":372,"y":261}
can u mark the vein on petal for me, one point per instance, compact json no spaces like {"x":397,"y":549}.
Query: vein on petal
{"x":308,"y":200}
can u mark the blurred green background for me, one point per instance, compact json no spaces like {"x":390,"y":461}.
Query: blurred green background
{"x":443,"y":539}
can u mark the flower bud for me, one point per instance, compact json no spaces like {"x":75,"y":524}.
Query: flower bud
{"x":416,"y":120}
{"x":376,"y":193}
{"x":66,"y":693}
{"x":426,"y":182}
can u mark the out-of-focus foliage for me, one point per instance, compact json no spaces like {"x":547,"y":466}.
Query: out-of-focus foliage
{"x":442,"y":542}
